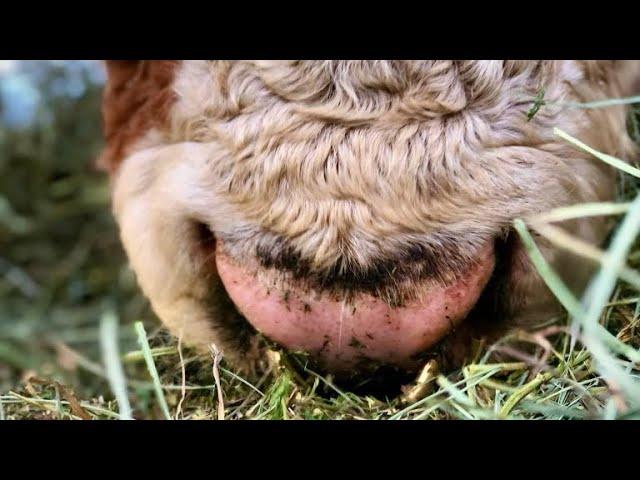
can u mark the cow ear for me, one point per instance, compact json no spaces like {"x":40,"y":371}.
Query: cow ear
{"x":136,"y":98}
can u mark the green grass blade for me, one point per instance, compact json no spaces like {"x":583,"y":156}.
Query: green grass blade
{"x":151,"y":366}
{"x":138,"y":355}
{"x":605,"y":280}
{"x":613,"y":161}
{"x":581,"y":210}
{"x":549,"y":276}
{"x":577,"y":246}
{"x":564,"y":295}
{"x":609,"y":102}
{"x":113,"y":367}
{"x":598,"y":295}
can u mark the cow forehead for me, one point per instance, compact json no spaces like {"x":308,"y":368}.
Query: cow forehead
{"x":353,"y":131}
{"x":184,"y":99}
{"x":345,"y":131}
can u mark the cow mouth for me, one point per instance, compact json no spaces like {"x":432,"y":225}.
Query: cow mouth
{"x":351,"y":333}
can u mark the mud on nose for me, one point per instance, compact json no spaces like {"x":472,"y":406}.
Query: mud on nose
{"x":343,"y":334}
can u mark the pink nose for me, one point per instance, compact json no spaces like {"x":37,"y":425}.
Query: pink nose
{"x":340,"y":334}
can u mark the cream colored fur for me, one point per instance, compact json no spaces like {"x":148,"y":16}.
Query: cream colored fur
{"x":360,"y":160}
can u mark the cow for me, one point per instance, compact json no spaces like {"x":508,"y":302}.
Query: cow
{"x":358,"y":211}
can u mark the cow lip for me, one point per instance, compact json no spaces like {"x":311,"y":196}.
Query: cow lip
{"x":408,"y":360}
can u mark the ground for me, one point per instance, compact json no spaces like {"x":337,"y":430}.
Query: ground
{"x":75,"y":332}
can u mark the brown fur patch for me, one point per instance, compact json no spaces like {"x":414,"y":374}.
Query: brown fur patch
{"x":137,"y":97}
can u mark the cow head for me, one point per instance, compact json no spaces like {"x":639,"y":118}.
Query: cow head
{"x":356,"y":210}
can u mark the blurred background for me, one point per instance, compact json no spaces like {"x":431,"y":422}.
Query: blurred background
{"x":61,"y":262}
